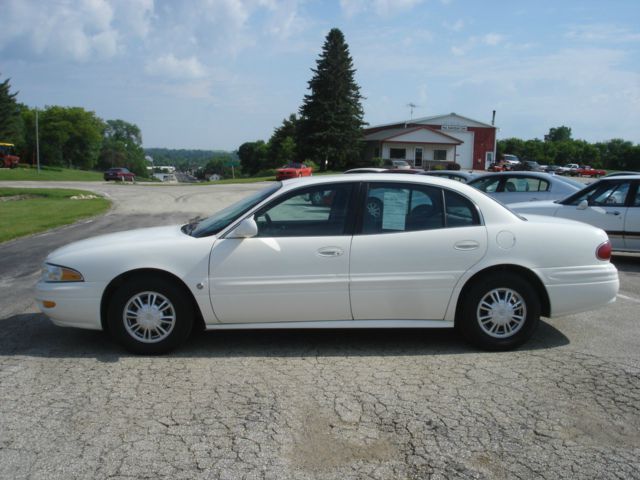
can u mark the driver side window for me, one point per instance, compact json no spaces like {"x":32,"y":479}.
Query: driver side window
{"x":309,"y":212}
{"x":605,"y":195}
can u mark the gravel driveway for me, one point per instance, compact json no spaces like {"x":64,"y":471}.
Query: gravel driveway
{"x":308,"y":405}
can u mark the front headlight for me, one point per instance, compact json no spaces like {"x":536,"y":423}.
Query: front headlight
{"x":57,"y":273}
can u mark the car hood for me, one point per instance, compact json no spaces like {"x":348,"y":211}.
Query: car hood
{"x":117,"y":240}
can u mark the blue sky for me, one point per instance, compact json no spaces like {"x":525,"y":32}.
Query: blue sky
{"x":213,"y":74}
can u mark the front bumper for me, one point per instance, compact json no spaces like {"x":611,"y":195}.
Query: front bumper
{"x":77,"y":304}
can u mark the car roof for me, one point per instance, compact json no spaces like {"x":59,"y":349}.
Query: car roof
{"x":513,"y":174}
{"x":630,"y":176}
{"x":621,"y":174}
{"x":490,"y":208}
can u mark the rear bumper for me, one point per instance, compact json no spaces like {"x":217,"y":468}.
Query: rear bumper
{"x":76,"y":304}
{"x":579,"y":289}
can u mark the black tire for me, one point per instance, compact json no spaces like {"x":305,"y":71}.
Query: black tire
{"x":514,"y":318}
{"x":167,"y":327}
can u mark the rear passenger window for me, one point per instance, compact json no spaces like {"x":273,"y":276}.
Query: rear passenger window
{"x":460,"y":212}
{"x":393,"y":208}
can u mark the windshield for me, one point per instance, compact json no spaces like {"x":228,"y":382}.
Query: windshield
{"x":222,"y":219}
{"x":6,"y":149}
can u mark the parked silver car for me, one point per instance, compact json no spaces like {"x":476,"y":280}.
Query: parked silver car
{"x":512,"y":187}
{"x":612,"y":204}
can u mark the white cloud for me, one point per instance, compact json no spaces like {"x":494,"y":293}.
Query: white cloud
{"x":135,"y":16}
{"x":456,"y":26}
{"x":602,"y":33}
{"x":381,"y":8}
{"x":492,"y":39}
{"x":285,"y":19}
{"x":77,"y":30}
{"x":171,"y":67}
{"x":487,"y":40}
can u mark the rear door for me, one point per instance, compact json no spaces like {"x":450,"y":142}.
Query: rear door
{"x":414,"y":244}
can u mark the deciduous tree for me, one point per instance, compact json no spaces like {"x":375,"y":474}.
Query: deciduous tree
{"x":122,"y":147}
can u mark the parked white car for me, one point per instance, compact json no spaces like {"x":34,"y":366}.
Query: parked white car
{"x":437,"y":253}
{"x":612,"y":204}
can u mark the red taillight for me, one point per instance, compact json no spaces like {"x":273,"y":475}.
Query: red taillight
{"x":603,"y":252}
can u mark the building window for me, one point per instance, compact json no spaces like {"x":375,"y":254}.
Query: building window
{"x":440,"y":155}
{"x":400,"y":153}
{"x":376,"y":152}
{"x":418,"y":157}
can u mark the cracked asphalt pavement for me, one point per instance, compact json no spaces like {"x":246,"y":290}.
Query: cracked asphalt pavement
{"x":308,"y":405}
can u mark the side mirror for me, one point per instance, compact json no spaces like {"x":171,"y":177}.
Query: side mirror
{"x":246,"y":229}
{"x":583,"y":205}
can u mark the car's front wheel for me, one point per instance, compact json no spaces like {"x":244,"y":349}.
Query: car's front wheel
{"x":150,"y":315}
{"x":499,"y":312}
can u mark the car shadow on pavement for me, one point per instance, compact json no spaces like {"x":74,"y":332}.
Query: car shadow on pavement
{"x":35,"y":335}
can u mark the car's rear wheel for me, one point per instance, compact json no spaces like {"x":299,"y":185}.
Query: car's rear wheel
{"x":150,"y":315}
{"x":499,"y":312}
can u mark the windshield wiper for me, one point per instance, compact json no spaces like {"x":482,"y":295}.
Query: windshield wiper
{"x":192,"y":224}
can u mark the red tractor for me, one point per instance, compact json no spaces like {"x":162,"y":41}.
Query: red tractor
{"x":8,"y":159}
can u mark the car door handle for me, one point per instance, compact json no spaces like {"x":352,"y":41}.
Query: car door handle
{"x":466,"y":245}
{"x":616,"y":213}
{"x":330,"y":252}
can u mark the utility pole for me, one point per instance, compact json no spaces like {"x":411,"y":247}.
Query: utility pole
{"x":37,"y":143}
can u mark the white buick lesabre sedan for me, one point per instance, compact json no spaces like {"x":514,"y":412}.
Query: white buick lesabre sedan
{"x":378,"y":251}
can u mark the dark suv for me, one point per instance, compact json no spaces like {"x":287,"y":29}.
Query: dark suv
{"x":119,"y":174}
{"x":527,"y":166}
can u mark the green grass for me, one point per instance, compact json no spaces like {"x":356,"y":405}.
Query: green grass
{"x":49,"y":174}
{"x":24,"y":211}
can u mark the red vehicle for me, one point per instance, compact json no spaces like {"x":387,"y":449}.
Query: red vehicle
{"x":121,"y":174}
{"x":7,"y":157}
{"x":499,"y":167}
{"x":293,"y":170}
{"x":587,"y":171}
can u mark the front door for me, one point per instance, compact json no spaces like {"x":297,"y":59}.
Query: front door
{"x":416,"y":243}
{"x":606,"y":209}
{"x":295,"y":269}
{"x":632,"y":221}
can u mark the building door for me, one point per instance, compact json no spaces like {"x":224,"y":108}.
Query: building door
{"x":418,"y":157}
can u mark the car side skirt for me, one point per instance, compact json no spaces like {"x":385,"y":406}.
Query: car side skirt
{"x":333,"y":324}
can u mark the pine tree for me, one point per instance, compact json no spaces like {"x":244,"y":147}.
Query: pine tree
{"x":9,"y":114}
{"x":331,"y":116}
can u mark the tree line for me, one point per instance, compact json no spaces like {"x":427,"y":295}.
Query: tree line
{"x":559,"y":148}
{"x":201,"y":163}
{"x":327,"y":132}
{"x":69,"y":137}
